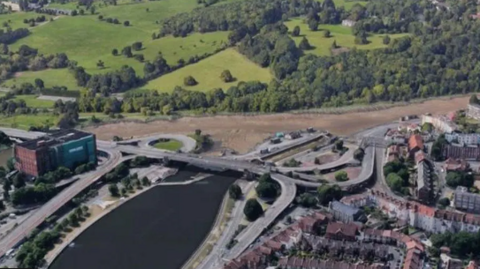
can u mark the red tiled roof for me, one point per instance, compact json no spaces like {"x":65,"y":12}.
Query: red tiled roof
{"x":415,"y":141}
{"x":345,"y":229}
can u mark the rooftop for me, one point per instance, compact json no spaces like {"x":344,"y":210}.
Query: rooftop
{"x":52,"y":139}
{"x":345,"y":209}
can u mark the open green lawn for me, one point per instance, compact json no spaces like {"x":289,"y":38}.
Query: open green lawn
{"x":97,"y":40}
{"x":15,"y":19}
{"x":348,"y":4}
{"x":32,"y":101}
{"x":51,"y":77}
{"x":341,"y":34}
{"x":25,"y":121}
{"x":172,"y":145}
{"x":207,"y":73}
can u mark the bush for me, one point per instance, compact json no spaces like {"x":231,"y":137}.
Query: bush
{"x":235,"y":192}
{"x":190,"y":81}
{"x":341,"y":176}
{"x":252,"y":210}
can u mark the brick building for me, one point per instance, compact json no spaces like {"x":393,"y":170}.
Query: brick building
{"x":67,"y":148}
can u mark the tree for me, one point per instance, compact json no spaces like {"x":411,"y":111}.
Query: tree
{"x":114,"y":52}
{"x":100,"y":64}
{"x":226,"y":76}
{"x":5,"y":140}
{"x":92,"y":10}
{"x":100,"y":17}
{"x":145,"y":181}
{"x":341,"y":176}
{"x":327,"y":34}
{"x":474,"y":99}
{"x":252,"y":210}
{"x":444,"y":201}
{"x":74,"y":12}
{"x":235,"y":192}
{"x":313,"y":25}
{"x":455,"y":179}
{"x":137,"y":46}
{"x":266,"y":187}
{"x":189,"y":81}
{"x":82,"y":12}
{"x":127,"y":52}
{"x":361,"y":38}
{"x":304,"y":44}
{"x":307,"y":200}
{"x":39,"y":83}
{"x":386,"y":40}
{"x":395,"y":182}
{"x":126,"y":23}
{"x":339,"y":144}
{"x":359,"y":154}
{"x":18,"y":180}
{"x":296,"y":31}
{"x":334,"y":45}
{"x":113,"y":189}
{"x":4,"y":50}
{"x":328,"y":193}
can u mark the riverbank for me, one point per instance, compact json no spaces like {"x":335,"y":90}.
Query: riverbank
{"x":95,"y":215}
{"x":162,"y":228}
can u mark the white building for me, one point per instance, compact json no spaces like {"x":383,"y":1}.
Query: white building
{"x":463,"y":139}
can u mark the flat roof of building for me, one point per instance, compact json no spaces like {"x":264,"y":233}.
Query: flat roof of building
{"x":54,"y":138}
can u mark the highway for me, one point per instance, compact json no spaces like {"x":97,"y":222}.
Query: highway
{"x":345,"y":158}
{"x":288,"y":186}
{"x":220,"y":248}
{"x":289,"y":190}
{"x":58,"y":201}
{"x":189,"y":144}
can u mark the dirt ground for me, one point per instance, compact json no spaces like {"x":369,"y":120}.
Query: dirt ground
{"x":242,"y":133}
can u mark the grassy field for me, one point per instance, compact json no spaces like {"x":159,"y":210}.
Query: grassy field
{"x":97,"y":40}
{"x":341,"y":34}
{"x":207,"y":73}
{"x":25,"y":121}
{"x":32,"y":101}
{"x":172,"y":145}
{"x":15,"y":19}
{"x":348,"y":4}
{"x":51,"y":77}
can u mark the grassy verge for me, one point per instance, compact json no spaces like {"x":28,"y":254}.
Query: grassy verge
{"x":172,"y":145}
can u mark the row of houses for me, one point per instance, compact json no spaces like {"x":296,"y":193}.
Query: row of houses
{"x":310,"y":263}
{"x":341,"y":240}
{"x":257,"y":257}
{"x":335,"y":249}
{"x":417,"y":215}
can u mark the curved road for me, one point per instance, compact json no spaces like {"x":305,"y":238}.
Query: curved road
{"x":58,"y":201}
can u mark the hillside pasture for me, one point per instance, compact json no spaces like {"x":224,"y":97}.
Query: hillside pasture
{"x":342,"y":35}
{"x":50,"y":77}
{"x":207,"y":73}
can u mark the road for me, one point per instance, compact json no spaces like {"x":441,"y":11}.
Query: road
{"x":287,"y":184}
{"x":189,"y":144}
{"x":56,"y":202}
{"x":219,"y":249}
{"x":345,"y":158}
{"x":289,"y":190}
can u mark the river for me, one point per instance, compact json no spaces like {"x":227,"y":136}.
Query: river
{"x":158,"y":229}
